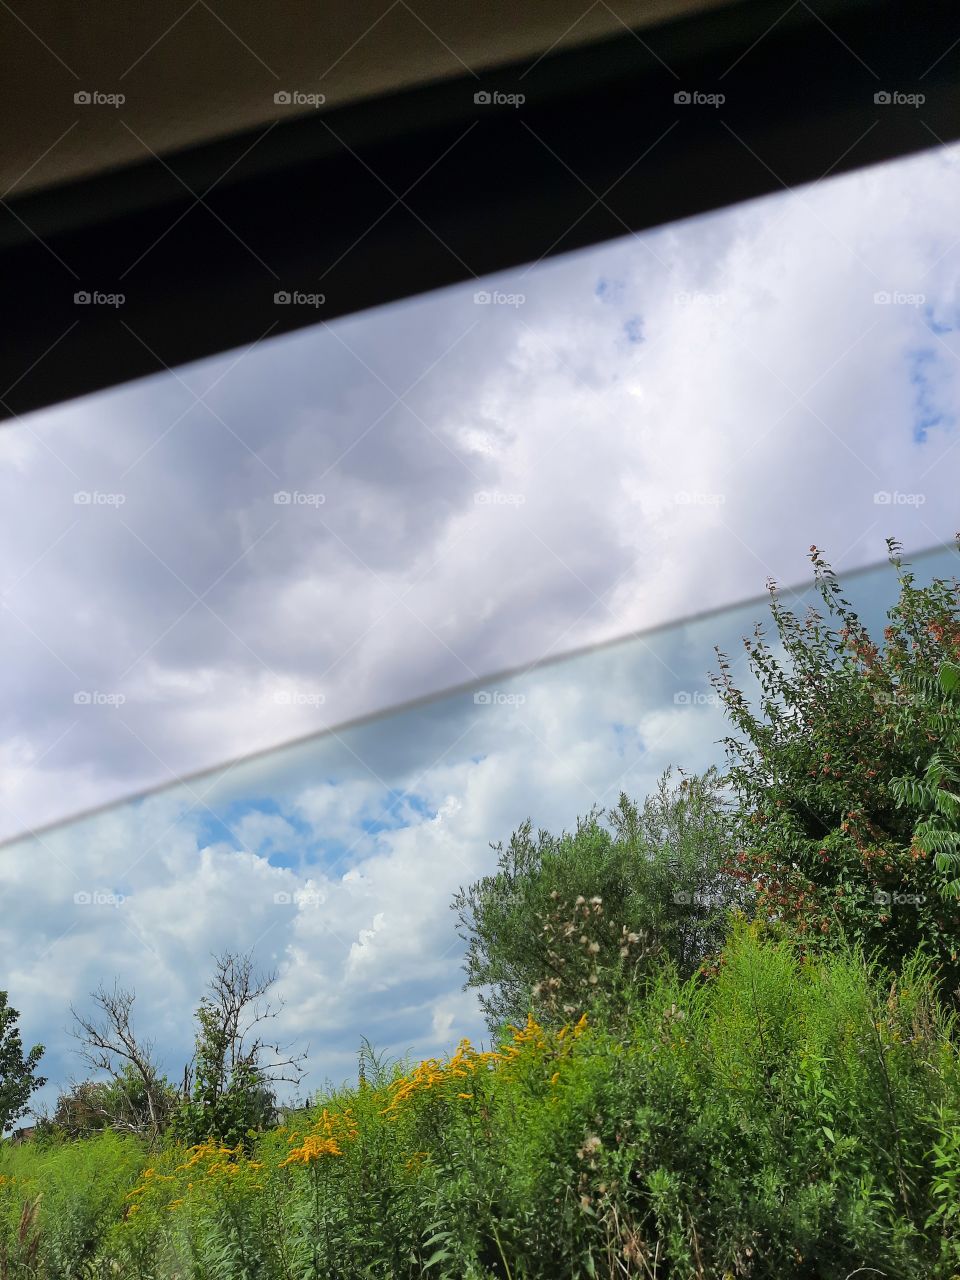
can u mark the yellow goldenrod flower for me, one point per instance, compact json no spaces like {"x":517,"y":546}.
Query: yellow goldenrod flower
{"x":311,"y":1150}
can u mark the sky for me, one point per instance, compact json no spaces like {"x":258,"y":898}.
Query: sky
{"x":265,"y":545}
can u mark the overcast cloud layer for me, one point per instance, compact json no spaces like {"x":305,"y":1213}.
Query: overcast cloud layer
{"x":365,"y":512}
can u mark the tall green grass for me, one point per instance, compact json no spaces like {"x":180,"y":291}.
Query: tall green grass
{"x":789,"y":1118}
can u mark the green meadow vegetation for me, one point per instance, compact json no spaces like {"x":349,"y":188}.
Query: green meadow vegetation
{"x":723,"y":1035}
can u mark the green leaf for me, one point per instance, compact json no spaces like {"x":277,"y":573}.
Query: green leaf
{"x":949,"y":677}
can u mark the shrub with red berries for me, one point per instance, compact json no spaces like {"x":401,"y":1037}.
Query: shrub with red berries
{"x":847,"y":770}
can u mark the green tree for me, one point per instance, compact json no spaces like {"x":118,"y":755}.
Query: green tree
{"x":18,"y":1074}
{"x":656,"y":869}
{"x":235,"y":1070}
{"x":843,"y":766}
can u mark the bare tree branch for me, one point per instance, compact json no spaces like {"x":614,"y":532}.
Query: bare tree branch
{"x":109,"y":1044}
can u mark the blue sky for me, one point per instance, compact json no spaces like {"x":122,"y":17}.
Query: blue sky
{"x":660,"y":425}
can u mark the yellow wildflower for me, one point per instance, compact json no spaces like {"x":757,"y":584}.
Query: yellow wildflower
{"x":312,"y":1149}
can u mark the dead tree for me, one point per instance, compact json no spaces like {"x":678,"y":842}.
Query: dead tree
{"x":108,"y":1043}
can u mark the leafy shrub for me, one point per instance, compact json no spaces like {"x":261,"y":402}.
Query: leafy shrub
{"x":655,"y":866}
{"x":121,"y":1104}
{"x":837,"y":768}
